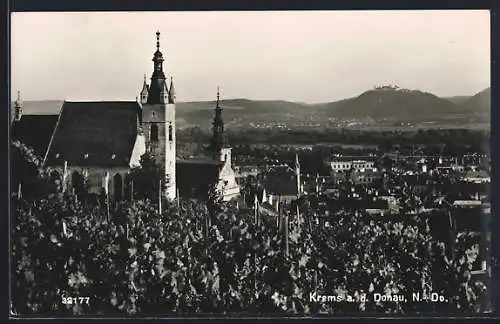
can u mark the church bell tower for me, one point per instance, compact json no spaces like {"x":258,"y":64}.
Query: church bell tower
{"x":158,"y":118}
{"x":219,"y":145}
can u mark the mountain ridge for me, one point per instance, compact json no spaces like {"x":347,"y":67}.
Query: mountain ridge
{"x":377,"y":104}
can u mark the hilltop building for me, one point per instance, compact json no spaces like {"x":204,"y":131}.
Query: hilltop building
{"x":101,"y":141}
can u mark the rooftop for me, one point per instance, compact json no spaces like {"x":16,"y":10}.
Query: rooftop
{"x":35,"y":131}
{"x":98,"y":133}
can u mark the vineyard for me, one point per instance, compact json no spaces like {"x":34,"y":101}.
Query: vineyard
{"x":195,"y":258}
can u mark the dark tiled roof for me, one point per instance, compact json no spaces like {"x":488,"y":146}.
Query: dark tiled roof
{"x":417,"y":180}
{"x":194,"y":177}
{"x":35,"y":131}
{"x":95,"y":134}
{"x":281,"y":183}
{"x":376,"y":204}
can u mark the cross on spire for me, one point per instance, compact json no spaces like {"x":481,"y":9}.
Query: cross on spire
{"x":158,"y":80}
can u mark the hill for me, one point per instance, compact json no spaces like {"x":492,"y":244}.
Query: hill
{"x":457,"y":99}
{"x":200,"y":113}
{"x":480,"y":103}
{"x":243,"y":111}
{"x":381,"y":105}
{"x":391,"y":104}
{"x":42,"y":107}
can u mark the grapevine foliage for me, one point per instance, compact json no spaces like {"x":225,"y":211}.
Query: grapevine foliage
{"x":214,"y":258}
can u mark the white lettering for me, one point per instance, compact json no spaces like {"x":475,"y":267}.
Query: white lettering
{"x":314,"y":297}
{"x":388,"y":298}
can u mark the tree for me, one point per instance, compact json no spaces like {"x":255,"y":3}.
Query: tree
{"x":26,"y":169}
{"x":146,"y":178}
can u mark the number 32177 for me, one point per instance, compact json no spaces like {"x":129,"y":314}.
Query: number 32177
{"x":75,"y":300}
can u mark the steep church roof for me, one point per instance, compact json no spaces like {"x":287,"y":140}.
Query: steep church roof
{"x":34,"y":131}
{"x":95,"y":134}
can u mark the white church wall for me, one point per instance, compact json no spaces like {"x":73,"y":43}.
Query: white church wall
{"x":138,"y":151}
{"x":95,"y":177}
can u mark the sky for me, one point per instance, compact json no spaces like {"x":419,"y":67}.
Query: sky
{"x":306,"y":56}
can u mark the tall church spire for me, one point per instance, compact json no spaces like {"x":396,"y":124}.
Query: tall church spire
{"x":219,"y":139}
{"x":158,"y":76}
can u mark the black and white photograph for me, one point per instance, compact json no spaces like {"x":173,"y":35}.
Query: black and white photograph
{"x":250,"y":164}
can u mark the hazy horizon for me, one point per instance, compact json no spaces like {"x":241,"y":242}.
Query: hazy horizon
{"x":301,"y":56}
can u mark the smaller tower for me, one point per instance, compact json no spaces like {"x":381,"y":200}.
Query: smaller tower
{"x":144,"y":92}
{"x":18,"y":107}
{"x":219,"y":145}
{"x":171,"y":92}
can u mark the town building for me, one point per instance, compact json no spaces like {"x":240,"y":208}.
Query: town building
{"x":244,"y":171}
{"x":346,"y":163}
{"x":281,"y":185}
{"x":476,"y":176}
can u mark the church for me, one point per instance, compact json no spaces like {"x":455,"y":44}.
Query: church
{"x":196,"y":176}
{"x":101,"y":141}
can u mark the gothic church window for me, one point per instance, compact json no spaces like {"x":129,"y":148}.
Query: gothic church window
{"x":154,"y":133}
